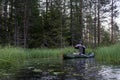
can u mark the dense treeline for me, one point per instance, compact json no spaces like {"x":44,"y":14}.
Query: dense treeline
{"x":56,"y":23}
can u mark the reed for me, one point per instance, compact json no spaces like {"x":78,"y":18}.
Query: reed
{"x":48,"y":53}
{"x":109,"y":54}
{"x":13,"y":57}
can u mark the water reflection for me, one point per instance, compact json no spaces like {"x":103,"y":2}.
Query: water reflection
{"x":73,"y":69}
{"x":83,"y":69}
{"x":110,"y":72}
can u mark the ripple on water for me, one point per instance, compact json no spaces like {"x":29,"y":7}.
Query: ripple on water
{"x":110,"y":73}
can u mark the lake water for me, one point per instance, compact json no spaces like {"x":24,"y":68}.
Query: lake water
{"x":73,"y":69}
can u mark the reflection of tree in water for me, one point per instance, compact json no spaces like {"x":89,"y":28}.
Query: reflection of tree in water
{"x":40,"y":71}
{"x":73,"y":69}
{"x":82,"y":69}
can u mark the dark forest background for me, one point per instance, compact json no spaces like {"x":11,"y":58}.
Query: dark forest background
{"x":58,"y":23}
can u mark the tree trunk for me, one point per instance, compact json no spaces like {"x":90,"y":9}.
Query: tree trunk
{"x":95,"y":25}
{"x":71,"y":23}
{"x":112,"y":29}
{"x":81,"y":20}
{"x":16,"y":26}
{"x":98,"y":22}
{"x":6,"y":20}
{"x":26,"y":23}
{"x":11,"y":20}
{"x":0,"y":14}
{"x":63,"y":22}
{"x":16,"y":31}
{"x":45,"y":44}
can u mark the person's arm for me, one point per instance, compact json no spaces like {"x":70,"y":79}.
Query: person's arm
{"x":78,"y":46}
{"x":84,"y":46}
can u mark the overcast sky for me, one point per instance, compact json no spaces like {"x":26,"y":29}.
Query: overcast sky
{"x":118,"y":18}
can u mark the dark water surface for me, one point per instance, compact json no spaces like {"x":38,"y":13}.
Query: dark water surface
{"x":73,"y":69}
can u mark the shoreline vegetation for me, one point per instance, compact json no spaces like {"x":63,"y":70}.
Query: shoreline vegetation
{"x":13,"y":57}
{"x":108,"y":54}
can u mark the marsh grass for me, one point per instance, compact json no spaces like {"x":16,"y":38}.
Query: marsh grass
{"x":11,"y":57}
{"x":48,"y":53}
{"x":109,"y":54}
{"x":14,"y":57}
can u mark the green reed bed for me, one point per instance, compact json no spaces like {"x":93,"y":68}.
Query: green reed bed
{"x":109,"y":54}
{"x":13,"y":57}
{"x":47,"y":53}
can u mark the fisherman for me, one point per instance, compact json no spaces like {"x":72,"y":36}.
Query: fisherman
{"x":81,"y":47}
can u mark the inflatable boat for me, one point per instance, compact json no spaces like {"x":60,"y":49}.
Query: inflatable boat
{"x":74,"y":56}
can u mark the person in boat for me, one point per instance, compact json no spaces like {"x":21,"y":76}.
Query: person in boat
{"x":81,"y":47}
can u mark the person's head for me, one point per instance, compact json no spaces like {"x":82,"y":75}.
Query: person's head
{"x":80,"y":42}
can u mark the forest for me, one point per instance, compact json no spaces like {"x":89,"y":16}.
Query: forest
{"x":58,"y":23}
{"x":38,"y":39}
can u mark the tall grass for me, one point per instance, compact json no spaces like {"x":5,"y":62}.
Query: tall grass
{"x":109,"y":54}
{"x":48,"y":53}
{"x":13,"y":57}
